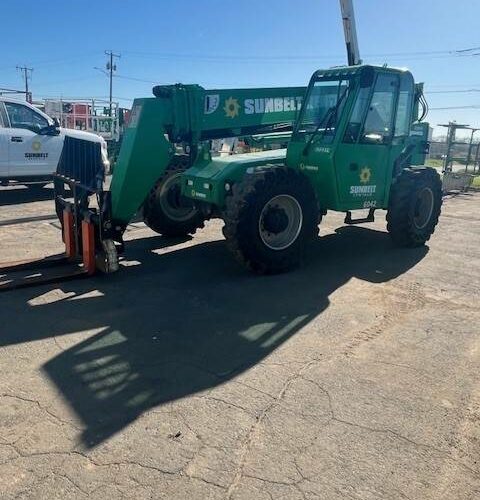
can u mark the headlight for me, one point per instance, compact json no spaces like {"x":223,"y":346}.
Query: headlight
{"x":105,"y":160}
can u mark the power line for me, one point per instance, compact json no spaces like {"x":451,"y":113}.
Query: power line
{"x":156,"y":82}
{"x":467,"y":52}
{"x":470,"y":106}
{"x":152,"y":82}
{"x":453,"y":85}
{"x":210,"y":85}
{"x":452,"y":91}
{"x":58,"y":61}
{"x":52,"y":83}
{"x":55,"y":62}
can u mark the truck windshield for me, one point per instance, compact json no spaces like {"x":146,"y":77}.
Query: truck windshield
{"x":322,"y":109}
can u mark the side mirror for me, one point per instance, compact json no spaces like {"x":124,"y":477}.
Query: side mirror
{"x":34,"y":127}
{"x":49,"y":130}
{"x":56,"y":123}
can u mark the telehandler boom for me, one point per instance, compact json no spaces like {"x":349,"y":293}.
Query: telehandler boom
{"x":190,"y":116}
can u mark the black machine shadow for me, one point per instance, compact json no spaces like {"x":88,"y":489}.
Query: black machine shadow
{"x":22,"y":194}
{"x":186,"y":321}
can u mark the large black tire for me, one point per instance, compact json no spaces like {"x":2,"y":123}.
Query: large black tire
{"x":414,"y":206}
{"x":165,"y":211}
{"x":263,"y":228}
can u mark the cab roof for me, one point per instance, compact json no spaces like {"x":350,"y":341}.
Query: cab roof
{"x":351,"y":71}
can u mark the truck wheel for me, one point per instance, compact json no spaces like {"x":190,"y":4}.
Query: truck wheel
{"x":165,"y":210}
{"x":414,"y":206}
{"x":270,"y":218}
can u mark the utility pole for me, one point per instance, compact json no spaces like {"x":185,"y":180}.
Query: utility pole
{"x":111,"y":67}
{"x":27,"y":73}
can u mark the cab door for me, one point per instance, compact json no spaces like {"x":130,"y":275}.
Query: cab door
{"x":363,"y":159}
{"x":30,"y":153}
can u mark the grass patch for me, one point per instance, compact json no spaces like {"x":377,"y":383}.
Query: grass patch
{"x":476,"y":182}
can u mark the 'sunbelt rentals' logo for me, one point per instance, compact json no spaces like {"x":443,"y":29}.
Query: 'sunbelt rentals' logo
{"x":32,"y":156}
{"x":363,"y":190}
{"x":272,"y":105}
{"x":233,"y":107}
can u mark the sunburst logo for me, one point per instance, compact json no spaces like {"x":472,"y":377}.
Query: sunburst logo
{"x":231,"y":107}
{"x":365,"y":175}
{"x":36,"y":145}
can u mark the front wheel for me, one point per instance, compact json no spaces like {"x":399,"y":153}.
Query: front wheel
{"x":270,"y":218}
{"x":414,"y":206}
{"x":106,"y":258}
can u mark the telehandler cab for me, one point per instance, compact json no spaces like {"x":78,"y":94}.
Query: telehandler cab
{"x":357,"y":143}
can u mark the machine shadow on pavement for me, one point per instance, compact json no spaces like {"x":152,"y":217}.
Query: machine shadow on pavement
{"x":185,"y":321}
{"x":23,"y":194}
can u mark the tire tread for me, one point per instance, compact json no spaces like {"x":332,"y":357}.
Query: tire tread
{"x":399,"y":218}
{"x":237,"y":221}
{"x":154,"y":217}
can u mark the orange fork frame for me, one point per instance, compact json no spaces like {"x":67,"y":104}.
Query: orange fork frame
{"x":10,"y":279}
{"x":68,"y":235}
{"x":88,"y":246}
{"x":88,"y":241}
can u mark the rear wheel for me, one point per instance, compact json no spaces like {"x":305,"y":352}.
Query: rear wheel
{"x":414,"y":206}
{"x":165,"y":210}
{"x":270,"y":218}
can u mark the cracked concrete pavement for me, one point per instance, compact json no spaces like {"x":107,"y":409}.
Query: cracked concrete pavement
{"x":183,"y":376}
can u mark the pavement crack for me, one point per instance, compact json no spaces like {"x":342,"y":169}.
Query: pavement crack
{"x":55,"y":341}
{"x":254,"y":389}
{"x":228,"y":403}
{"x":121,"y":463}
{"x":293,"y":484}
{"x":271,"y":481}
{"x":42,"y":408}
{"x":249,"y":439}
{"x":72,"y":482}
{"x":206,"y":481}
{"x":396,"y":434}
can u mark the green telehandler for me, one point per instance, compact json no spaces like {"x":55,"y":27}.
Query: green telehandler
{"x":357,"y":142}
{"x":355,"y":138}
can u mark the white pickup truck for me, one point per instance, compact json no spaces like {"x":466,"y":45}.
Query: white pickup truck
{"x":31,"y":143}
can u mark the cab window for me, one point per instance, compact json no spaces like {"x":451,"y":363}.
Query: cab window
{"x":356,"y":119}
{"x":379,"y":121}
{"x":322,"y":110}
{"x":3,"y":116}
{"x":23,"y":117}
{"x":404,"y":107}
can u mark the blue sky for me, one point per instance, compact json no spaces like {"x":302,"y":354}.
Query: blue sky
{"x":241,"y":43}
